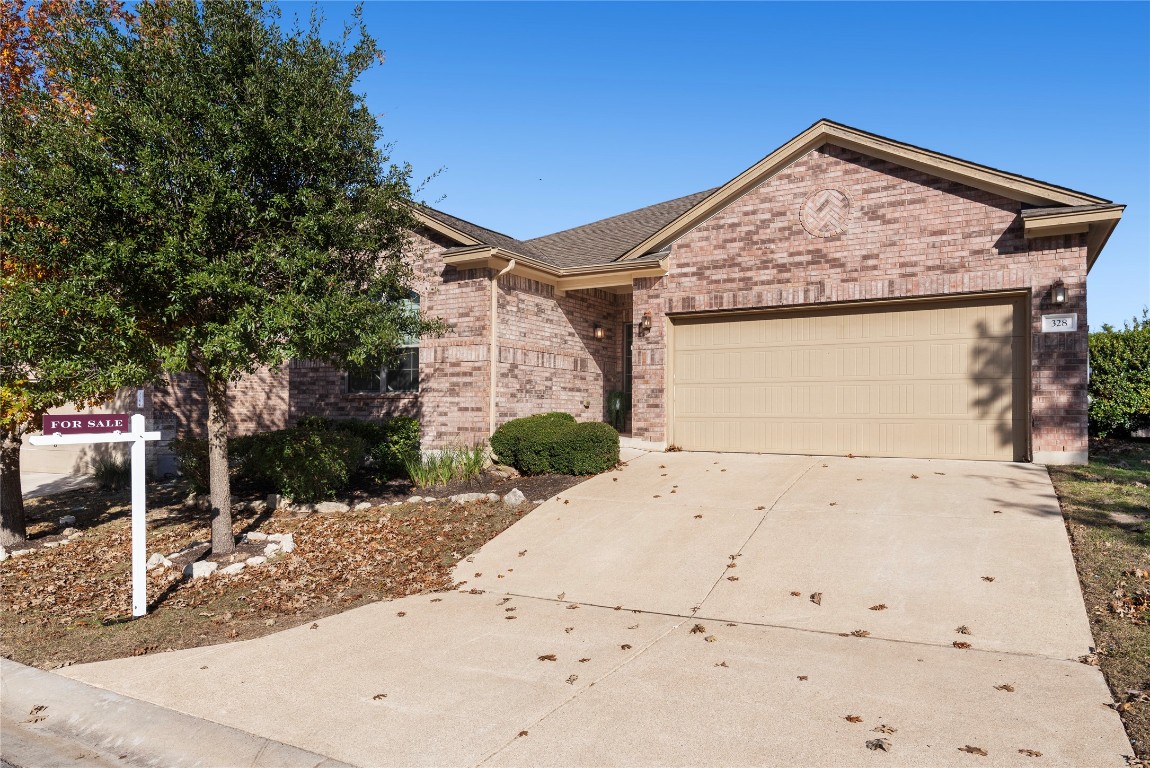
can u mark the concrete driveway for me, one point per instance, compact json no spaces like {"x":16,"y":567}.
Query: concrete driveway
{"x":665,"y":654}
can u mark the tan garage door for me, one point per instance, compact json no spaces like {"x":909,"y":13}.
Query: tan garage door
{"x":924,"y":380}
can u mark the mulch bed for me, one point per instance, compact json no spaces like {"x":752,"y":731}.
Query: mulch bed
{"x":71,"y":603}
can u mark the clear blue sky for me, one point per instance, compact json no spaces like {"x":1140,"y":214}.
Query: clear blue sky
{"x":545,"y":116}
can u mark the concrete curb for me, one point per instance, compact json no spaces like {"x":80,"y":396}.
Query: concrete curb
{"x":125,"y":730}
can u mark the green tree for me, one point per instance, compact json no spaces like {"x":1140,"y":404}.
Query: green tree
{"x":248,"y":213}
{"x":1120,"y":378}
{"x":64,"y":336}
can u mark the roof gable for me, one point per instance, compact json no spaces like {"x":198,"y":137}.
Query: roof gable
{"x":1026,"y":190}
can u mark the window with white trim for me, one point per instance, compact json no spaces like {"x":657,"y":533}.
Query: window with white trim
{"x":402,"y":375}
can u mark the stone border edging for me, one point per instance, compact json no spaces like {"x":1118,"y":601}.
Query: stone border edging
{"x":144,"y":734}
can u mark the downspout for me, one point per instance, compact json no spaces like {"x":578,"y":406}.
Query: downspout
{"x":493,"y":354}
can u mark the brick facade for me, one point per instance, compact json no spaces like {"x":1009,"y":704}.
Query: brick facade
{"x":908,"y":235}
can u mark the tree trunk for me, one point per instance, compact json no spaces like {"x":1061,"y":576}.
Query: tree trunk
{"x":13,"y":530}
{"x":219,"y":482}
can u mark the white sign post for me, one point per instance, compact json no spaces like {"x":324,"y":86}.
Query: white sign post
{"x":137,"y":437}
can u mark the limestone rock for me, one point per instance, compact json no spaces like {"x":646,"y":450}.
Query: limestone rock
{"x":271,"y":549}
{"x":362,"y":506}
{"x":200,"y":569}
{"x":255,"y":536}
{"x":228,"y":570}
{"x":275,"y":501}
{"x":69,"y":532}
{"x":3,"y":554}
{"x":415,"y":500}
{"x":287,"y":543}
{"x":156,"y":560}
{"x":255,"y":560}
{"x":331,"y":507}
{"x":465,"y":498}
{"x":259,"y":505}
{"x":493,"y":497}
{"x":67,"y":520}
{"x":514,"y":498}
{"x":504,"y":471}
{"x":21,"y":552}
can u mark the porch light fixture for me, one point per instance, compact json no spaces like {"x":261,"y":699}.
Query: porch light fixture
{"x":599,"y":331}
{"x":645,"y":323}
{"x":1058,"y":293}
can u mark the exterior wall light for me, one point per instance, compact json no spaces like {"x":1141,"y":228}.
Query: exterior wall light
{"x":1058,"y":293}
{"x":599,"y":332}
{"x":645,"y":323}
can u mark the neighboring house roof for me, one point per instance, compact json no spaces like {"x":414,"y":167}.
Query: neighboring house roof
{"x":604,"y":241}
{"x":647,"y":232}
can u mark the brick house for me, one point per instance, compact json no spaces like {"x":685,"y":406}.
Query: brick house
{"x":846,"y":294}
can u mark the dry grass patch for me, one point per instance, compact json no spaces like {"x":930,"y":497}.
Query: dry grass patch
{"x":1107,"y":511}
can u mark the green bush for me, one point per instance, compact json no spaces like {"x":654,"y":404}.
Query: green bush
{"x":304,"y":463}
{"x":1120,"y":378}
{"x":587,"y":448}
{"x":554,"y":442}
{"x":517,"y":441}
{"x":388,"y":443}
{"x":192,"y":455}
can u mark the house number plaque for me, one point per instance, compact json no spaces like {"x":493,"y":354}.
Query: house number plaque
{"x":1059,"y":323}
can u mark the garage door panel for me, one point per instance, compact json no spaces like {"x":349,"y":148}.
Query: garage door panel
{"x":910,"y":381}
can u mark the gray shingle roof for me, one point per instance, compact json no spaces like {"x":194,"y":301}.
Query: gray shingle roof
{"x":604,"y":241}
{"x":600,"y":242}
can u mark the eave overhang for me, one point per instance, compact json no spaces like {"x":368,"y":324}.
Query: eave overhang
{"x":615,"y":277}
{"x":1097,"y":222}
{"x":438,"y":226}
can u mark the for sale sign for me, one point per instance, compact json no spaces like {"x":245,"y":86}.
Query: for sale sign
{"x":86,"y":424}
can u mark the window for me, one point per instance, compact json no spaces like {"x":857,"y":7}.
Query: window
{"x":401,"y":376}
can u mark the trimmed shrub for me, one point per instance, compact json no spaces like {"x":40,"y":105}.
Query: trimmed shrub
{"x":555,"y":442}
{"x":516,"y":443}
{"x":388,"y":444}
{"x":587,"y":448}
{"x":304,"y":463}
{"x":192,"y":455}
{"x":1120,"y":378}
{"x":112,"y":473}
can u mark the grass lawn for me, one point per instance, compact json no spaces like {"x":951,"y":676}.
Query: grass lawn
{"x":71,"y":603}
{"x":1107,"y":511}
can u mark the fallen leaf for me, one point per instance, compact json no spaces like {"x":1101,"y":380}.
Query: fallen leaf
{"x":853,"y":719}
{"x":878,"y":744}
{"x":879,"y":607}
{"x":963,"y":630}
{"x":379,"y":696}
{"x":817,"y":598}
{"x":547,"y":657}
{"x":401,"y":613}
{"x":566,"y":501}
{"x":633,"y":626}
{"x":988,"y":578}
{"x":521,"y":733}
{"x":914,"y":477}
{"x":884,"y":728}
{"x":584,"y":661}
{"x":710,"y":638}
{"x":510,"y":617}
{"x":834,"y":504}
{"x":501,"y":602}
{"x":625,"y":647}
{"x":37,"y":709}
{"x":940,"y":473}
{"x":1030,"y":752}
{"x":698,"y":629}
{"x":698,"y":517}
{"x":571,"y":680}
{"x":998,"y":511}
{"x":960,"y":644}
{"x":572,"y":607}
{"x":657,"y":496}
{"x":510,"y":609}
{"x":802,"y":677}
{"x":732,"y":565}
{"x":860,"y":633}
{"x":973,"y":750}
{"x":720,"y":663}
{"x":732,"y":578}
{"x":1005,"y":687}
{"x":796,"y":594}
{"x":314,"y":626}
{"x":561,"y":595}
{"x":759,"y":509}
{"x":524,"y":551}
